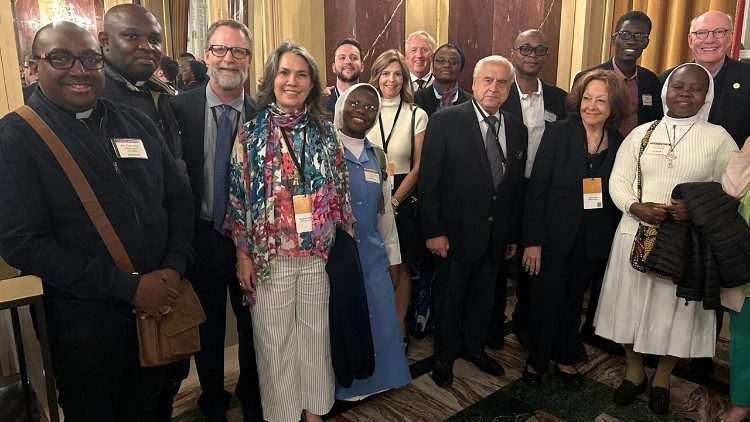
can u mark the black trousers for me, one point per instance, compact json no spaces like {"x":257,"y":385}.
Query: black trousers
{"x":556,"y":304}
{"x":212,"y":274}
{"x":94,"y":348}
{"x":496,"y":327}
{"x":463,"y":304}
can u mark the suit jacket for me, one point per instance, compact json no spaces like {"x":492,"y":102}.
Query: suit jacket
{"x":426,"y":100}
{"x":553,"y":209}
{"x":456,"y":193}
{"x":648,"y":84}
{"x":190,"y":111}
{"x":554,"y":101}
{"x":731,"y":107}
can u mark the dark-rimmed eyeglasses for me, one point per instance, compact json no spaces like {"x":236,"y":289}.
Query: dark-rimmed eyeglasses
{"x":366,"y":107}
{"x":702,"y":34}
{"x":450,"y":62}
{"x":626,"y":35}
{"x":219,"y":50}
{"x":527,"y":49}
{"x":62,"y":60}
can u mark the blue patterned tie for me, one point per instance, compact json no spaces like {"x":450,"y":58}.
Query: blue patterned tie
{"x":493,"y":151}
{"x":221,"y":166}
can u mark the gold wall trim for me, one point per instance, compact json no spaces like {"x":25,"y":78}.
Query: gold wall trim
{"x":10,"y":92}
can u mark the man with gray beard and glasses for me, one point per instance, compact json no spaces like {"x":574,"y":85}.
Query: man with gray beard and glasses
{"x":209,"y":120}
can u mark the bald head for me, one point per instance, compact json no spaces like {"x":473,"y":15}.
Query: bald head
{"x":527,"y":34}
{"x":65,"y":44}
{"x":131,"y":41}
{"x":527,"y":56}
{"x":710,"y":37}
{"x":713,"y":17}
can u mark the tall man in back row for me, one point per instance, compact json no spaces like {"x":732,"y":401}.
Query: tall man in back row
{"x":45,"y":230}
{"x":473,"y":161}
{"x":210,"y":118}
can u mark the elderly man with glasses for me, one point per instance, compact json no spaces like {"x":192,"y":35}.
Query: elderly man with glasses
{"x":629,"y":40}
{"x":210,"y":118}
{"x":709,"y":39}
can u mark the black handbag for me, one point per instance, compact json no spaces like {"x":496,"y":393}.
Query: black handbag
{"x":352,"y":350}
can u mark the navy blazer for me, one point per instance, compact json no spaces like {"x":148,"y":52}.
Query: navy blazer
{"x":554,"y":101}
{"x":648,"y":84}
{"x":732,"y":110}
{"x":553,"y":209}
{"x":190,"y":111}
{"x":456,"y":194}
{"x":427,"y":101}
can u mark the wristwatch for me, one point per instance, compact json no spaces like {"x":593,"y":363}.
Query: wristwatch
{"x":395,"y":202}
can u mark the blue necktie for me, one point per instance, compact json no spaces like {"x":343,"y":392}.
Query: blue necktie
{"x":493,"y":151}
{"x":221,"y":166}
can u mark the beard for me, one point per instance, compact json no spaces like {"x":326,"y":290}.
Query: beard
{"x":227,"y":82}
{"x":340,"y":76}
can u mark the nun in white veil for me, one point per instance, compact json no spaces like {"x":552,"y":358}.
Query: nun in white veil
{"x":641,"y":311}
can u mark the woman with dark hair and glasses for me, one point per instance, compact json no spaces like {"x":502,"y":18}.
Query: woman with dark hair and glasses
{"x":569,"y":220}
{"x":288,"y":193}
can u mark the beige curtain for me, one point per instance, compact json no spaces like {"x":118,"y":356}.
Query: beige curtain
{"x":178,"y":12}
{"x":670,"y":25}
{"x":266,"y":30}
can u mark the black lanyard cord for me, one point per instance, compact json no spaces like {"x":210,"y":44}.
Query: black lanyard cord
{"x":382,"y":132}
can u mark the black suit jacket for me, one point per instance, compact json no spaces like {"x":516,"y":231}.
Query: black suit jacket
{"x":456,"y":193}
{"x":427,"y":101}
{"x":648,"y":84}
{"x":553,"y":209}
{"x":554,"y":101}
{"x":731,"y":107}
{"x":190,"y":111}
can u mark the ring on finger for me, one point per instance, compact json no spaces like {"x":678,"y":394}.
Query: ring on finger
{"x":166,"y":311}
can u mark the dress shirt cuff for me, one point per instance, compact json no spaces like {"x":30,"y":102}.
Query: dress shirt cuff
{"x":125,"y":286}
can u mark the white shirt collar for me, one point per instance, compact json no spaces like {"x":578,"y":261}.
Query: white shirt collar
{"x":537,"y":92}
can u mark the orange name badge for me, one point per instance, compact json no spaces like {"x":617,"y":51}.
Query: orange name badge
{"x":302,"y":213}
{"x":391,"y":172}
{"x":592,"y":193}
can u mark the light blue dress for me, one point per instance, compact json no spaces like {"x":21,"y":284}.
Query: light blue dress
{"x":391,"y":368}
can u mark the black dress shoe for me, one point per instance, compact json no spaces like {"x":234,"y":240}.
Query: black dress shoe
{"x":658,"y":400}
{"x":572,"y":380}
{"x":702,"y":367}
{"x":533,"y":379}
{"x":583,"y":356}
{"x":627,"y":391}
{"x":495,"y":342}
{"x":485,"y":363}
{"x":442,"y":374}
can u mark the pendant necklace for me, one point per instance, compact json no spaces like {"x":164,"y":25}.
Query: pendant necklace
{"x":671,"y":155}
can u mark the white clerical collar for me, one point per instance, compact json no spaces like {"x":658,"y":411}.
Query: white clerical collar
{"x":84,"y":114}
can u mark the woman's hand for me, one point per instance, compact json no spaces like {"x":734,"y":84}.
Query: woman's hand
{"x":245,"y":271}
{"x":532,"y":259}
{"x":649,"y":212}
{"x":677,"y":210}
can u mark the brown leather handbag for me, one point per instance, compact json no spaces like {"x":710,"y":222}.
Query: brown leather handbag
{"x":176,"y":336}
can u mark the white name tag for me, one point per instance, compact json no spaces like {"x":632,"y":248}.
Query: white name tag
{"x":549,"y":116}
{"x":647,"y":100}
{"x":302,"y":213}
{"x":372,"y":176}
{"x":129,"y":148}
{"x":657,"y":149}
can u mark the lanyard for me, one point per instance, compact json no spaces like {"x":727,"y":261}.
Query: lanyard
{"x":300,"y":165}
{"x":492,"y":128}
{"x":590,"y":157}
{"x":236,"y":125}
{"x":382,"y":133}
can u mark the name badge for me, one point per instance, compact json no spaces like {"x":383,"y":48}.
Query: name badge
{"x":129,"y":148}
{"x":657,"y":148}
{"x":391,"y":171}
{"x":647,"y":100}
{"x":302,"y":213}
{"x":592,"y":193}
{"x":549,"y":116}
{"x":372,"y":176}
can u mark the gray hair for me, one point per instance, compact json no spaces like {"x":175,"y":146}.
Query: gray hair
{"x":424,"y":34}
{"x":494,"y":59}
{"x":232,"y":24}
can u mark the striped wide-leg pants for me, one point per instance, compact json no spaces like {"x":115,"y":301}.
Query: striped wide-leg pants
{"x":292,"y":345}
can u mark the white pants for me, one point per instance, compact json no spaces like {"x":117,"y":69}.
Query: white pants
{"x":292,"y":340}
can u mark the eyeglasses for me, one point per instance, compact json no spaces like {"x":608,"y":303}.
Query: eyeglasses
{"x":221,"y":51}
{"x":702,"y":34}
{"x":450,"y":62}
{"x":366,"y":107}
{"x":626,"y":35}
{"x":62,"y":60}
{"x":527,"y":49}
